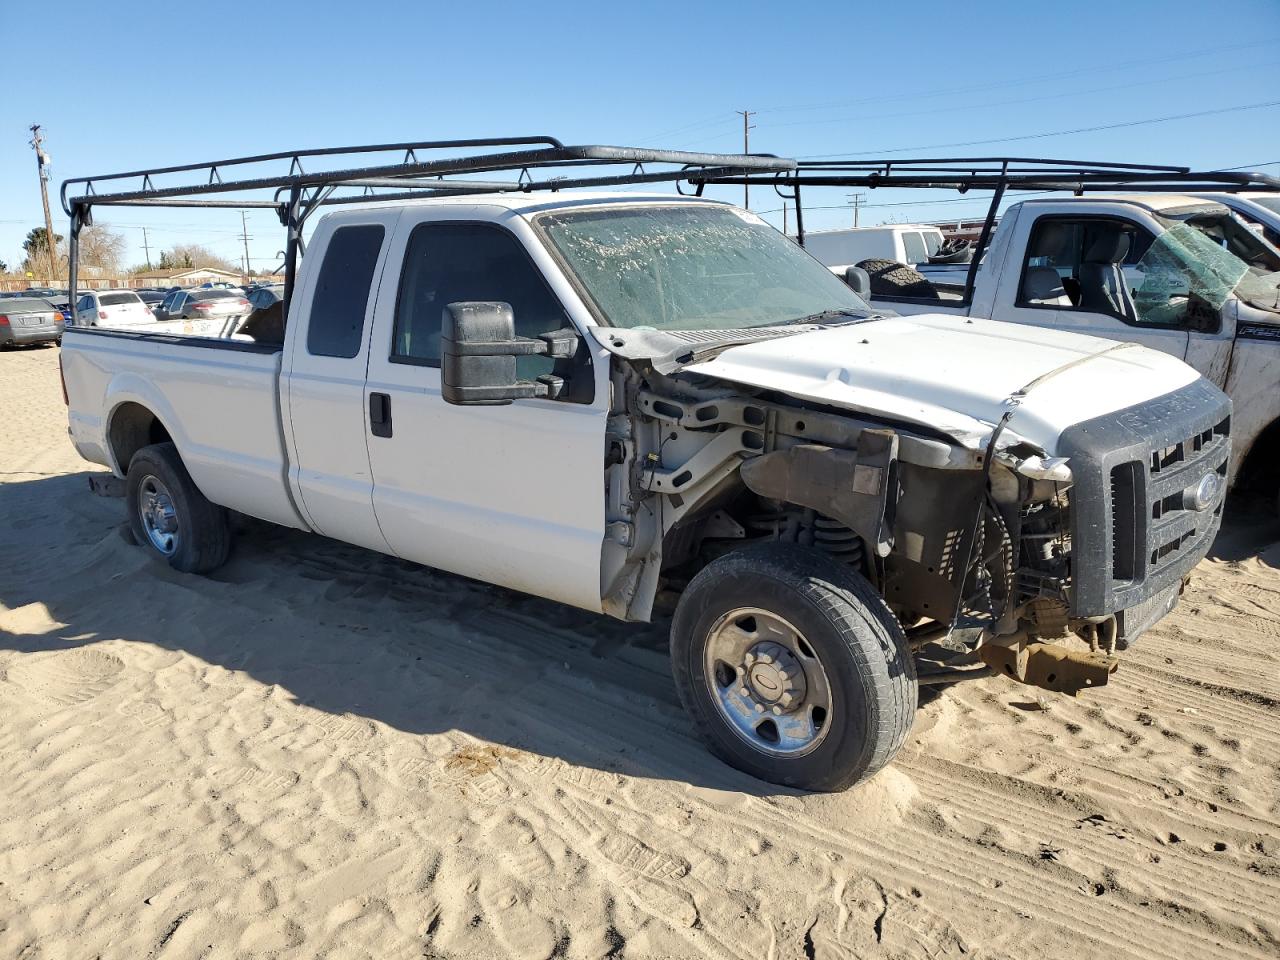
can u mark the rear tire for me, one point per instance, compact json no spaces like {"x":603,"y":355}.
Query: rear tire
{"x":792,"y":607}
{"x":170,"y":517}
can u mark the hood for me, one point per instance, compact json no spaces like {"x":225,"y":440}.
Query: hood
{"x":956,"y":374}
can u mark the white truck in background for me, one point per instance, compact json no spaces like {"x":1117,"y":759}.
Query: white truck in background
{"x":1261,"y":211}
{"x":1170,"y":272}
{"x":597,"y":398}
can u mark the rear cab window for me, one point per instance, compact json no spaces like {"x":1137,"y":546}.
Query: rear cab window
{"x":341,"y":298}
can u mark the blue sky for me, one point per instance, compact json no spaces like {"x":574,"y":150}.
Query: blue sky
{"x":148,"y":84}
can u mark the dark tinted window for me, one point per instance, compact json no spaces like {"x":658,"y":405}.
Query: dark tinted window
{"x":212,"y":294}
{"x":451,"y":263}
{"x":117,"y":299}
{"x":336,"y":326}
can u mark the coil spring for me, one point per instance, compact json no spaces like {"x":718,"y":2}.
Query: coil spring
{"x":811,"y":529}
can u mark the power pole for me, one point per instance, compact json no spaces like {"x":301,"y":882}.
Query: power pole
{"x":747,"y":127}
{"x":857,"y":202}
{"x":146,"y":249}
{"x":42,"y":167}
{"x":244,"y":232}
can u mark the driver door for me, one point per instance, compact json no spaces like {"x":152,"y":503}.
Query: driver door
{"x":509,"y":494}
{"x":1100,"y":287}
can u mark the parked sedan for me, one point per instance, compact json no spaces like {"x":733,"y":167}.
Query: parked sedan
{"x":112,"y":308}
{"x":266,"y":295}
{"x":29,"y":320}
{"x":152,"y":298}
{"x":201,"y":305}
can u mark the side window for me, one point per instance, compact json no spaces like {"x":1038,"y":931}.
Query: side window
{"x":336,"y":325}
{"x":86,"y":303}
{"x":913,"y":244}
{"x":1088,"y":265}
{"x":452,"y":262}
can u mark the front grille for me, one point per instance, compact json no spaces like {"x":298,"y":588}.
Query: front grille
{"x":1134,"y":523}
{"x":1151,"y":524}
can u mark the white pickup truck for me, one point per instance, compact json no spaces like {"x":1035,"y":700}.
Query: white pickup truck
{"x":598,"y":398}
{"x":1171,"y":272}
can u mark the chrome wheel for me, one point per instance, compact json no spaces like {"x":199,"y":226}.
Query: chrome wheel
{"x":159,"y":518}
{"x":767,"y":682}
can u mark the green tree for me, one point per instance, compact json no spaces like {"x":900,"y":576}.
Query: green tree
{"x":37,"y":243}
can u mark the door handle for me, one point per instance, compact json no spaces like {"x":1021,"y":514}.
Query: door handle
{"x":380,"y":414}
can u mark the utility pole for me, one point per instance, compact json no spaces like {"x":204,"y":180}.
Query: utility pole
{"x":42,"y":167}
{"x":146,"y":249}
{"x":857,"y":202}
{"x":244,"y":232}
{"x":747,"y":127}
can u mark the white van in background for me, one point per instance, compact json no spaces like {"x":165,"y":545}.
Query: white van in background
{"x":906,"y":243}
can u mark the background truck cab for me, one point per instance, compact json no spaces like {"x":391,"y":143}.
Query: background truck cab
{"x":1122,"y":252}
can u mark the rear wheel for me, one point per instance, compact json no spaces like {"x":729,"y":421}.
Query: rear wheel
{"x":792,"y":667}
{"x":170,"y":517}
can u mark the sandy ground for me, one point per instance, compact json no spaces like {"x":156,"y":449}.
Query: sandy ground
{"x":321,"y":752}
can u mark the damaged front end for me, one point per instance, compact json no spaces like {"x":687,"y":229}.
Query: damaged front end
{"x":996,"y":554}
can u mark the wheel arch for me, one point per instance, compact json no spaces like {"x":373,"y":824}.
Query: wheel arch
{"x":1259,"y":467}
{"x":138,"y":415}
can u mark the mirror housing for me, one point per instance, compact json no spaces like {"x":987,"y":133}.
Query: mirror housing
{"x":859,"y":280}
{"x":478,"y":350}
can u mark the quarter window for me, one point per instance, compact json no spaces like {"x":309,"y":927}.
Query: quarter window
{"x":336,"y":326}
{"x":913,"y":244}
{"x":458,"y":262}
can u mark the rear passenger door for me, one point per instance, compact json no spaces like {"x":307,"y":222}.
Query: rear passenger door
{"x":327,"y":355}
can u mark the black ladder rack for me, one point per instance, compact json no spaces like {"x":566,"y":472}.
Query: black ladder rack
{"x":996,"y":174}
{"x":537,"y":162}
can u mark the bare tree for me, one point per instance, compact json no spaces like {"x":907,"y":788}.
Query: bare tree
{"x":102,"y":247}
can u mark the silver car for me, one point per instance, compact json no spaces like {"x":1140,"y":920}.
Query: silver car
{"x":202,"y":305}
{"x":29,"y":320}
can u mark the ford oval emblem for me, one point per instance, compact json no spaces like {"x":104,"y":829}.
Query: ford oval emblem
{"x":1204,"y":494}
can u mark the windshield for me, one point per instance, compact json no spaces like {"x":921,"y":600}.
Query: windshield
{"x":693,"y":267}
{"x":1207,"y":255}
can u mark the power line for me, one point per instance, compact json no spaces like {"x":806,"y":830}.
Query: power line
{"x":962,"y":108}
{"x":952,"y":91}
{"x":1180,"y":57}
{"x":1052,"y":133}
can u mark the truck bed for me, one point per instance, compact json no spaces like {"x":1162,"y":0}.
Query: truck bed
{"x":223,"y":392}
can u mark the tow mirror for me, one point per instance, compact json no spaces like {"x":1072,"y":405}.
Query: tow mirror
{"x":859,"y":280}
{"x":478,"y":349}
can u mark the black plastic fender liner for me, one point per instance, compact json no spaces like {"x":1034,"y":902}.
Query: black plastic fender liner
{"x":857,"y":488}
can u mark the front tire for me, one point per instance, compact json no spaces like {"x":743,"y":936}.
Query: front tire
{"x":792,"y":667}
{"x":170,"y":517}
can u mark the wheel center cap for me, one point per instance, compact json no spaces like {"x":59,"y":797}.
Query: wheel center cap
{"x":774,"y":676}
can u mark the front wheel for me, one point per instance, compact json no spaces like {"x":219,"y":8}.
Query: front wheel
{"x":793,"y":668}
{"x":170,"y":516}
